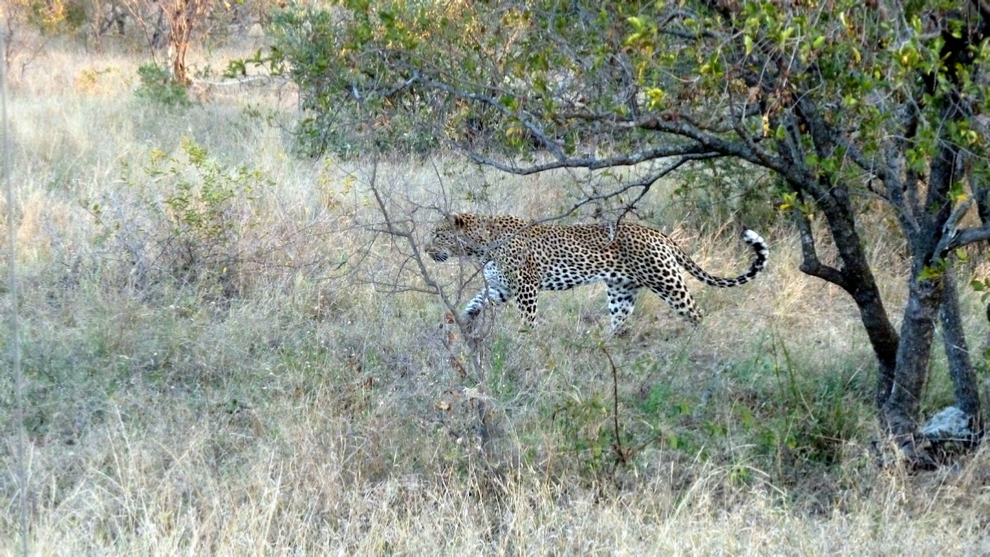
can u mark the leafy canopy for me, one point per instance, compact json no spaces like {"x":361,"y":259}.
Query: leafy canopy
{"x":508,"y":77}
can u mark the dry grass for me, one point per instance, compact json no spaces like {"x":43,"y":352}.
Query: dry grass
{"x":322,"y":408}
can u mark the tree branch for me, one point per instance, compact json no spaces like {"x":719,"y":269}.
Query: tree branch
{"x":521,"y":116}
{"x":969,"y":236}
{"x":810,"y":263}
{"x":745,"y":149}
{"x":645,"y":182}
{"x":691,"y":151}
{"x":950,"y":232}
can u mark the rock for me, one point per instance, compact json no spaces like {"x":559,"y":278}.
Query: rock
{"x":951,"y":424}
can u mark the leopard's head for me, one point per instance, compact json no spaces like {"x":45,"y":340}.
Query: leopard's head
{"x":469,"y":235}
{"x":452,"y":237}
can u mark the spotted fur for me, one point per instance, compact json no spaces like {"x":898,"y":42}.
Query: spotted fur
{"x":521,"y":259}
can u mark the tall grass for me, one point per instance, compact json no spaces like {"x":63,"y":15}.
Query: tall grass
{"x":322,"y":405}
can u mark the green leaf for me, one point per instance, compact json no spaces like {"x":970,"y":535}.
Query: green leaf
{"x":655,"y":98}
{"x":930,"y":273}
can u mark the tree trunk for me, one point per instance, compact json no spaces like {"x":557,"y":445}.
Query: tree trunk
{"x":967,"y":392}
{"x":900,"y":411}
{"x":882,"y":334}
{"x":855,"y":277}
{"x":177,"y":21}
{"x":181,"y":21}
{"x":862,"y":286}
{"x":923,"y":221}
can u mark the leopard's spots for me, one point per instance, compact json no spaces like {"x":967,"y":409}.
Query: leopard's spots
{"x":522,"y":258}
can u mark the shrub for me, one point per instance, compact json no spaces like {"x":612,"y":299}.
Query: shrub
{"x":158,"y":87}
{"x":186,"y":228}
{"x":50,"y":17}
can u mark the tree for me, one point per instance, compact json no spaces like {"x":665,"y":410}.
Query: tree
{"x":171,"y":25}
{"x":846,"y":102}
{"x":47,"y":18}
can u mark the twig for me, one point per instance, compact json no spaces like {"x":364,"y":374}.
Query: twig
{"x":621,"y":454}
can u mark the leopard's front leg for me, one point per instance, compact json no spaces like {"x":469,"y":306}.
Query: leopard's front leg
{"x":496,"y":291}
{"x":527,"y":290}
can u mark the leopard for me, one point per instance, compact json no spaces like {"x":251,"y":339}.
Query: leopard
{"x":521,"y":258}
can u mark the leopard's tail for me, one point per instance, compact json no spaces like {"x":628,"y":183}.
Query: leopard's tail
{"x":755,"y":241}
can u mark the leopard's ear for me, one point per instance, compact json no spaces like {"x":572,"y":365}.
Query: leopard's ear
{"x":458,"y":220}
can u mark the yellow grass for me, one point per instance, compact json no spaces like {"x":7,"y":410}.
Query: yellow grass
{"x":325,"y":407}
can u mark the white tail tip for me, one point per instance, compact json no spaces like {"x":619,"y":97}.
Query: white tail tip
{"x":751,"y":237}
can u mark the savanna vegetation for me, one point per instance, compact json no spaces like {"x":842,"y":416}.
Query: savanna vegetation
{"x":231,"y":343}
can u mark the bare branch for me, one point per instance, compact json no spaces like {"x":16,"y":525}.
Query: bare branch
{"x":694,"y":151}
{"x":968,"y":236}
{"x":745,"y":148}
{"x":395,"y":90}
{"x":645,"y":183}
{"x":810,"y":263}
{"x":622,"y":455}
{"x":950,"y":232}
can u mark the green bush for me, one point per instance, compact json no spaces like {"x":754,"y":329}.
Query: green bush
{"x":53,"y":17}
{"x":158,"y":87}
{"x":188,"y":227}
